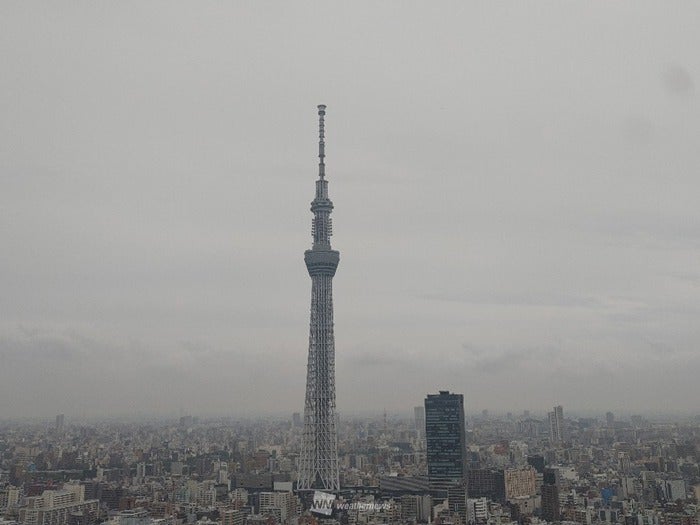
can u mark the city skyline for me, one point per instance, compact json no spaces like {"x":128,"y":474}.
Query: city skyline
{"x":606,"y":471}
{"x":516,"y":187}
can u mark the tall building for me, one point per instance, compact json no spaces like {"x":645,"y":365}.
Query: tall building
{"x":278,"y":504}
{"x":556,"y":425}
{"x":457,"y":499}
{"x":486,"y":483}
{"x":318,"y":461}
{"x":141,"y":470}
{"x":673,"y":490}
{"x":60,"y":418}
{"x":416,"y":508}
{"x":9,"y":497}
{"x":232,"y":517}
{"x":520,"y":482}
{"x":419,"y":415}
{"x":445,"y":439}
{"x":551,"y":510}
{"x":477,"y":510}
{"x":537,"y":462}
{"x":609,"y":419}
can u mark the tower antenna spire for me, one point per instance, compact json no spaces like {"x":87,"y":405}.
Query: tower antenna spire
{"x":321,"y":141}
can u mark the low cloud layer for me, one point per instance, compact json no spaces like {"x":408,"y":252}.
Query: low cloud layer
{"x":515,"y":190}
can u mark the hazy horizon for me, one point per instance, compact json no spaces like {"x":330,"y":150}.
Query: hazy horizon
{"x":655,"y":417}
{"x":515,"y":190}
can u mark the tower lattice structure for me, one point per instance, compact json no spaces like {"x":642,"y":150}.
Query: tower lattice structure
{"x":318,"y":462}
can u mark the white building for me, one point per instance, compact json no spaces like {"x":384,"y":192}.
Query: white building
{"x":54,"y":507}
{"x":9,"y":497}
{"x":477,"y":510}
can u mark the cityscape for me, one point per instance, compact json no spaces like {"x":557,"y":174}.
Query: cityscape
{"x":516,"y":342}
{"x":421,"y":467}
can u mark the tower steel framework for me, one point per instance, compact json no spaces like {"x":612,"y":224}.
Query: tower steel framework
{"x":318,"y":462}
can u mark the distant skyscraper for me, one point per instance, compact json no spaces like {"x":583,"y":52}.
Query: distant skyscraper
{"x":318,"y":461}
{"x":419,"y":415}
{"x":59,"y":422}
{"x":556,"y":425}
{"x":445,"y":439}
{"x":610,"y":419}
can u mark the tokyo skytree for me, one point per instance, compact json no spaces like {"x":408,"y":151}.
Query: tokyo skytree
{"x":318,"y":462}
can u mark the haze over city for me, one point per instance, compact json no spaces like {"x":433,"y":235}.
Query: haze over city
{"x":515,"y":190}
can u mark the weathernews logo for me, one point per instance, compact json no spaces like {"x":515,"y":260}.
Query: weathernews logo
{"x":324,"y":503}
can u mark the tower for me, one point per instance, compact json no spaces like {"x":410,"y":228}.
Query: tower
{"x":318,"y":462}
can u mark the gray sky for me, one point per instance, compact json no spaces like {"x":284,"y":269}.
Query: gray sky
{"x":516,"y":188}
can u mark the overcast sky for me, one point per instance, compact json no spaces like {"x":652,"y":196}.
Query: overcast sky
{"x":516,"y":189}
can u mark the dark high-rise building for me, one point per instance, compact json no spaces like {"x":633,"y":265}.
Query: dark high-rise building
{"x":445,"y":439}
{"x":536,"y":461}
{"x":550,"y":496}
{"x":318,"y":461}
{"x":486,"y":483}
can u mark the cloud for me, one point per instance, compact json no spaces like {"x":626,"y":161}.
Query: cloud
{"x":687,"y":277}
{"x":639,"y":129}
{"x":531,"y":198}
{"x":677,"y":81}
{"x":494,"y":360}
{"x":37,"y":346}
{"x":536,"y":298}
{"x":365,"y":356}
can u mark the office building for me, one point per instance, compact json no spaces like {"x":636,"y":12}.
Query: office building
{"x":551,"y":510}
{"x":445,"y":439}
